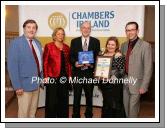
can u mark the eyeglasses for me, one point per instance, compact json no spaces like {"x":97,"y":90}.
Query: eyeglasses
{"x":131,"y":30}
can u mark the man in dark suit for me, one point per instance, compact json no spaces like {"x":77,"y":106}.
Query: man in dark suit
{"x":83,"y":43}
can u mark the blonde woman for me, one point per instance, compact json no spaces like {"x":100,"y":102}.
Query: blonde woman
{"x":56,"y":65}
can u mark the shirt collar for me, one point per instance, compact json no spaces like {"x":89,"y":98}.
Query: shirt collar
{"x":132,"y":43}
{"x":87,"y":38}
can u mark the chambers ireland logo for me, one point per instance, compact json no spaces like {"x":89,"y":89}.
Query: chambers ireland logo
{"x":57,"y":19}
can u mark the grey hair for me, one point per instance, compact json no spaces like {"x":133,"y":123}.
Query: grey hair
{"x":85,"y":22}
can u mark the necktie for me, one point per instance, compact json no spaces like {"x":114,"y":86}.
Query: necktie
{"x":127,"y":58}
{"x":85,"y":46}
{"x":35,"y":56}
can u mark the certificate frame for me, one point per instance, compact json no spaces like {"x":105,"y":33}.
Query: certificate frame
{"x":103,"y":67}
{"x":85,"y":57}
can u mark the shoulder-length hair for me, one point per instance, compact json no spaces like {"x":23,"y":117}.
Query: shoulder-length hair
{"x":55,"y":31}
{"x":115,"y":40}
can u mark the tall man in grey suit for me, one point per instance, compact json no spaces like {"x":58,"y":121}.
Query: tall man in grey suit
{"x":138,"y":66}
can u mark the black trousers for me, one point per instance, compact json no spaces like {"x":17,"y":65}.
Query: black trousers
{"x":88,"y":89}
{"x":112,"y":102}
{"x":56,"y":103}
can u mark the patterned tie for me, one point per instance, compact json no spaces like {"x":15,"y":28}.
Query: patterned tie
{"x":85,"y":46}
{"x":35,"y":56}
{"x":127,"y":57}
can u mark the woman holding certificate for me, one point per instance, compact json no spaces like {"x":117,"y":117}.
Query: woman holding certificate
{"x":57,"y":69}
{"x":113,"y":91}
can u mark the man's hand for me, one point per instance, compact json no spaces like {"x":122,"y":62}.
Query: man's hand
{"x":142,"y":91}
{"x":88,"y":65}
{"x":19,"y":92}
{"x":46,"y":80}
{"x":78,"y":65}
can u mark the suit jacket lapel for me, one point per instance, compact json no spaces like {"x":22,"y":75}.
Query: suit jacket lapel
{"x":80,"y":44}
{"x":26,"y":46}
{"x":125,"y":48}
{"x":136,"y":47}
{"x":28,"y":50}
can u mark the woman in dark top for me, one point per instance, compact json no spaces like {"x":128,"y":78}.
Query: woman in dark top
{"x":56,"y":65}
{"x":113,"y":92}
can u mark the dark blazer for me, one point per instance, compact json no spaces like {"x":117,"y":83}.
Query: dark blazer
{"x":76,"y":46}
{"x":52,"y":60}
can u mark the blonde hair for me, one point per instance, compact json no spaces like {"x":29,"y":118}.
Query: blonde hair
{"x":55,"y":31}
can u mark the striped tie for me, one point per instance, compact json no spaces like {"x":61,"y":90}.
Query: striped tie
{"x":85,"y":46}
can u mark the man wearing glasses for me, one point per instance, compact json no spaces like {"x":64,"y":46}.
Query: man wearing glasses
{"x":138,"y":65}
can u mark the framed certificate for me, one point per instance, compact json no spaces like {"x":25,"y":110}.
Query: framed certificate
{"x":85,"y":57}
{"x":103,"y":67}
